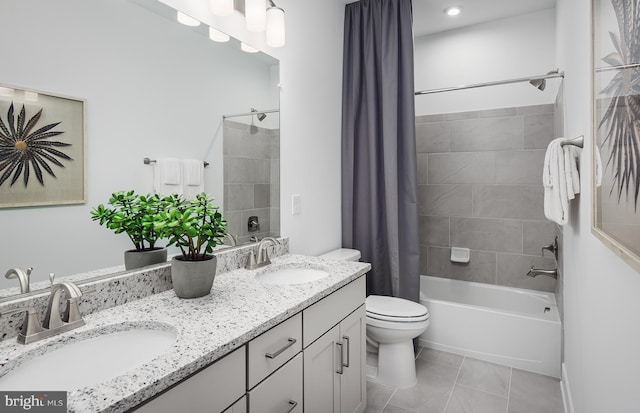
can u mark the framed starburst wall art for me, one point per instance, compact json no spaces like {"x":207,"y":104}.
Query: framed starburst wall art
{"x":616,"y":126}
{"x":42,"y":148}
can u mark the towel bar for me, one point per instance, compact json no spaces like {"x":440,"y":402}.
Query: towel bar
{"x":148,"y":161}
{"x":579,"y":142}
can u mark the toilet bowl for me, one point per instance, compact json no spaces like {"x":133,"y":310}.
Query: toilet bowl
{"x":392,"y":324}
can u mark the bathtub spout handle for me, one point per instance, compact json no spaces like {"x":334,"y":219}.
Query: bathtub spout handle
{"x":534,"y":272}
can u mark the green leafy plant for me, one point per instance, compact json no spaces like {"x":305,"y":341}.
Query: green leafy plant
{"x":195,"y":226}
{"x":135,"y":215}
{"x":622,"y":117}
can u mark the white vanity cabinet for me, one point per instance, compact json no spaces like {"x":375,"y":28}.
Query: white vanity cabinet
{"x":213,"y":389}
{"x":313,"y":362}
{"x":334,"y":362}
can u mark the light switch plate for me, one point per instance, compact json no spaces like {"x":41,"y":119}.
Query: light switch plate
{"x":296,"y":204}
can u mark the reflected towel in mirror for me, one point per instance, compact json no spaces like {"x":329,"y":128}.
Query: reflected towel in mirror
{"x":193,"y":173}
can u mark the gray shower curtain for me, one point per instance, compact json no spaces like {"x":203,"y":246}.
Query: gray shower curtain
{"x":379,"y":189}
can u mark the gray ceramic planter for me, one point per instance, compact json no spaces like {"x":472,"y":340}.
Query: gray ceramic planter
{"x":137,"y":259}
{"x":192,"y":279}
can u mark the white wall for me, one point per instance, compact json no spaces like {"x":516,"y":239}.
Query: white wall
{"x":154,"y":88}
{"x":602,"y":309}
{"x":515,"y":47}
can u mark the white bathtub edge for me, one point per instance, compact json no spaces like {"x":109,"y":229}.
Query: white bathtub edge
{"x":566,"y":391}
{"x":545,"y":368}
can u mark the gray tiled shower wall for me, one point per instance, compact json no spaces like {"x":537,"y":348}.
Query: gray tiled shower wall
{"x":480,"y":187}
{"x":251,"y":179}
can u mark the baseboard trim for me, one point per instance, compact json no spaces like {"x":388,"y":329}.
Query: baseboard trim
{"x":566,"y":391}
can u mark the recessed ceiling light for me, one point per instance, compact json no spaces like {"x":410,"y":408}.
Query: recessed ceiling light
{"x":453,"y":10}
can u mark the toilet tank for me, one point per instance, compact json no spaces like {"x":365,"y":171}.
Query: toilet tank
{"x":342,"y":254}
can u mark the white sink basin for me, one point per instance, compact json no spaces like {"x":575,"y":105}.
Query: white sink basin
{"x":291,"y":275}
{"x":88,"y":362}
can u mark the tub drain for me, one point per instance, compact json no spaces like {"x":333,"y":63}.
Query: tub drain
{"x":547,"y":309}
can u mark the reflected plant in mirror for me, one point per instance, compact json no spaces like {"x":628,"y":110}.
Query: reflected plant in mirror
{"x":136,"y":215}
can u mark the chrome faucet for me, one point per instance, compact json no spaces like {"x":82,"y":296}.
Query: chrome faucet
{"x":534,"y":272}
{"x":233,"y":240}
{"x":23,"y":277}
{"x":262,"y":258}
{"x":54,"y":322}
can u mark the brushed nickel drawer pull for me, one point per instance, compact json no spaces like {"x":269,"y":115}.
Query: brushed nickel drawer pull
{"x":290,"y":341}
{"x":346,"y":338}
{"x":292,"y":405}
{"x":341,"y":364}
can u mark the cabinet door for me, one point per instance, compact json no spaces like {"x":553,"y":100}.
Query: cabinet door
{"x":353,"y":385}
{"x":321,"y":381}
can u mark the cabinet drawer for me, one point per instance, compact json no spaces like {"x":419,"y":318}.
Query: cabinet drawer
{"x":273,"y":348}
{"x":328,"y":312}
{"x":281,"y":392}
{"x":211,"y":390}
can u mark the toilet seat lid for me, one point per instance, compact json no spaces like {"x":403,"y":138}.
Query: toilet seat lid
{"x":395,"y":309}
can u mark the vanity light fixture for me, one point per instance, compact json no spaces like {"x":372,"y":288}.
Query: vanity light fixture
{"x":246,"y":48}
{"x":221,"y":7}
{"x":187,"y":20}
{"x":255,"y":12}
{"x":452,"y":10}
{"x":6,"y":91}
{"x":218,"y":36}
{"x":275,"y":26}
{"x":30,"y":96}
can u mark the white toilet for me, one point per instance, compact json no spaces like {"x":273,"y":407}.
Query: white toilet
{"x":392,"y":324}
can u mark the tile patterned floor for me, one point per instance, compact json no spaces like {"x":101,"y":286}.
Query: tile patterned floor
{"x":449,"y":383}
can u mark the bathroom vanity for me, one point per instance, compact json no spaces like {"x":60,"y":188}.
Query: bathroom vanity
{"x":249,"y":346}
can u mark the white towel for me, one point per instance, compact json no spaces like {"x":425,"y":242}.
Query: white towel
{"x":167,"y":176}
{"x":556,"y":201}
{"x":193,"y":170}
{"x":572,"y":170}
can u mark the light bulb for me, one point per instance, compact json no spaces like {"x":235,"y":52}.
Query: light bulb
{"x":255,"y":12}
{"x":187,"y":20}
{"x":221,"y":7}
{"x":246,"y":48}
{"x":453,"y":10}
{"x":217,"y":35}
{"x":275,"y":27}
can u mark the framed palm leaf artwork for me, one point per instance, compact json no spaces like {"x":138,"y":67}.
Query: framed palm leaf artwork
{"x":42,"y":148}
{"x":616,"y":126}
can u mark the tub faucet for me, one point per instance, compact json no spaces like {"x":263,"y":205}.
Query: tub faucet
{"x":534,"y":272}
{"x":23,"y":277}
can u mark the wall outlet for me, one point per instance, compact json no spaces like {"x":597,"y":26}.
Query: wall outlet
{"x":296,"y":204}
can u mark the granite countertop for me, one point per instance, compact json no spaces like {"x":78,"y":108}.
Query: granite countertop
{"x":238,"y":309}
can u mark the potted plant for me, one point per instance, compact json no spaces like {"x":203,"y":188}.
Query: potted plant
{"x":135,"y":215}
{"x":195,"y":227}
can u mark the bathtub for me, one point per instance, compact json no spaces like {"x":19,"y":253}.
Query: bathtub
{"x":509,"y":326}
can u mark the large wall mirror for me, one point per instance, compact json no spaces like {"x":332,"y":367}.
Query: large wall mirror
{"x":153,"y":88}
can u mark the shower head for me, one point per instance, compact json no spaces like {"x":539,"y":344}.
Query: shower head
{"x":260,"y":115}
{"x":539,"y":83}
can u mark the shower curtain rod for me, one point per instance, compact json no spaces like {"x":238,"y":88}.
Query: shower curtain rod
{"x":250,"y":113}
{"x":494,"y":83}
